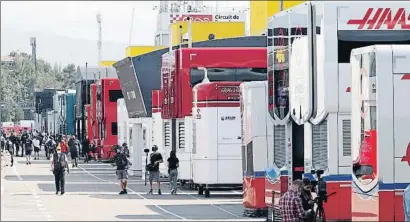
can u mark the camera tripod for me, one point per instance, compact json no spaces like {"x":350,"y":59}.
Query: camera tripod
{"x":320,"y":215}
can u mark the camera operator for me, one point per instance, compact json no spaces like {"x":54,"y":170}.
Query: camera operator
{"x":290,"y":203}
{"x":307,"y":200}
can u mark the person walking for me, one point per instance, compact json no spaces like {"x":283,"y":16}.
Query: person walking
{"x":36,"y":145}
{"x":51,"y":146}
{"x":153,"y":168}
{"x":73,"y":151}
{"x":86,"y":149}
{"x":93,"y":150}
{"x":122,"y":163}
{"x":173,"y":164}
{"x":3,"y":142}
{"x":59,"y":163}
{"x":63,"y":145}
{"x":28,"y":145}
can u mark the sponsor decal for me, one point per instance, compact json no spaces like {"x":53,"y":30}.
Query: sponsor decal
{"x":194,"y":17}
{"x":406,"y":158}
{"x":376,"y":17}
{"x":223,"y":118}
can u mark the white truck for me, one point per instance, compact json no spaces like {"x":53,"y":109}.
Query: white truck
{"x":309,"y":80}
{"x":380,"y":137}
{"x":216,"y":149}
{"x":257,"y":134}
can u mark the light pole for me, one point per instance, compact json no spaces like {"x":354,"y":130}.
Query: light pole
{"x":54,"y":122}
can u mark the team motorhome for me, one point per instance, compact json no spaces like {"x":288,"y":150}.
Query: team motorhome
{"x":380,"y":140}
{"x":308,"y":54}
{"x":216,"y":133}
{"x":136,"y":132}
{"x":180,"y":73}
{"x":256,"y":134}
{"x":108,"y":92}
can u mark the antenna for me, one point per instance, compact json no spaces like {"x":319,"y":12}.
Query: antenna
{"x":99,"y":43}
{"x":132,"y":24}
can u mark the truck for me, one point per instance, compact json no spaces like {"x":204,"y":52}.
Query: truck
{"x":256,"y":134}
{"x":70,"y":113}
{"x":309,"y":80}
{"x":380,"y":143}
{"x":216,"y":136}
{"x":180,"y":73}
{"x":108,"y":92}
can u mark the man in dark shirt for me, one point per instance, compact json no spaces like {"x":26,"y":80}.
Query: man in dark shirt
{"x":307,"y":200}
{"x":155,"y":160}
{"x":29,"y":149}
{"x":122,"y":169}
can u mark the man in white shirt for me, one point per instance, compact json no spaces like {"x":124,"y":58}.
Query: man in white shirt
{"x":36,"y":145}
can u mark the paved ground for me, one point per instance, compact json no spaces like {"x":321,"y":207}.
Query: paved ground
{"x":28,"y":194}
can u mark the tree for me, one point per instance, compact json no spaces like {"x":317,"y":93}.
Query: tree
{"x":18,"y":114}
{"x":18,"y":82}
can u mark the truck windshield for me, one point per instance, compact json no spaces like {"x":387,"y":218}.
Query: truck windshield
{"x":228,"y":74}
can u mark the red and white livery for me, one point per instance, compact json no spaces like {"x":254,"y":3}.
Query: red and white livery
{"x":216,"y":150}
{"x":309,"y":80}
{"x":380,"y":139}
{"x":257,"y":133}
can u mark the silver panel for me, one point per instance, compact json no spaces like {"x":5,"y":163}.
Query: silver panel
{"x":319,"y":146}
{"x":279,"y":145}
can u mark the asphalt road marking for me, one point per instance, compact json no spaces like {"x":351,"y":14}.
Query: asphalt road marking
{"x":230,"y":213}
{"x":34,"y":193}
{"x":149,"y":201}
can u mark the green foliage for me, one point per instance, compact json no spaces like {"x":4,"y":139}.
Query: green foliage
{"x":18,"y":82}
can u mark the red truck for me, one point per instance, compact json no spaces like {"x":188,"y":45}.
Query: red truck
{"x":222,"y":64}
{"x":181,"y":70}
{"x":108,"y":92}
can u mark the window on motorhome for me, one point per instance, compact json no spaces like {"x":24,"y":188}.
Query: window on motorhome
{"x":351,"y":39}
{"x":114,"y":95}
{"x":229,"y":74}
{"x":114,"y":128}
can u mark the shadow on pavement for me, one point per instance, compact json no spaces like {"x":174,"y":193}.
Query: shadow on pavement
{"x":146,"y":217}
{"x":116,"y":196}
{"x":203,"y":211}
{"x":81,"y":187}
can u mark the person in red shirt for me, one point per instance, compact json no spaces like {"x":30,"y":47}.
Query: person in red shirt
{"x":290,"y":204}
{"x":64,"y":147}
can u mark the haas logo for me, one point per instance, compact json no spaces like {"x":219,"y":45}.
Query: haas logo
{"x":375,"y":18}
{"x":406,"y":158}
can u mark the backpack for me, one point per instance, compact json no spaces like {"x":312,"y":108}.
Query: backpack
{"x":60,"y":163}
{"x":122,"y":161}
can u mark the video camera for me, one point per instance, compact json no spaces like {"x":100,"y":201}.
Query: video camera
{"x":321,"y":189}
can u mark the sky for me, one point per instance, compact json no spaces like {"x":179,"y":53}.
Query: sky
{"x":76,"y":20}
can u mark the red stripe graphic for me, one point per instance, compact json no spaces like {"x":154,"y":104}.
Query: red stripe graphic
{"x":405,"y":77}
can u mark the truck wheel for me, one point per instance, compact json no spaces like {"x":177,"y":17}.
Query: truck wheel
{"x":207,"y":193}
{"x":200,"y":190}
{"x":183,"y":182}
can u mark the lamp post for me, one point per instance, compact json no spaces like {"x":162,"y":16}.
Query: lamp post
{"x":54,"y":122}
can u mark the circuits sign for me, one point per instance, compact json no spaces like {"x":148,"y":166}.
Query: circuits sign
{"x":228,"y":17}
{"x":220,"y":17}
